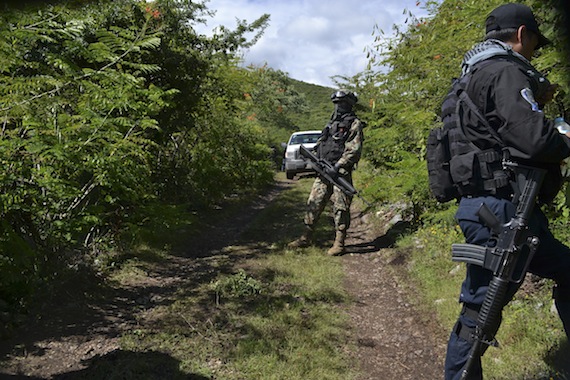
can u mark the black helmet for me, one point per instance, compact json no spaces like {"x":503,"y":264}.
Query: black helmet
{"x":344,"y":95}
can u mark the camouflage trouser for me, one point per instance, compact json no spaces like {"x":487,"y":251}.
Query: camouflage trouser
{"x":321,"y":193}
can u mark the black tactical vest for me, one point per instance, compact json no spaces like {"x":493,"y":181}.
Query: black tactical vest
{"x":457,"y":167}
{"x":333,"y":138}
{"x":474,"y":171}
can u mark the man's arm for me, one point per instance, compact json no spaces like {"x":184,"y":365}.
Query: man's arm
{"x":352,"y":146}
{"x":524,"y":126}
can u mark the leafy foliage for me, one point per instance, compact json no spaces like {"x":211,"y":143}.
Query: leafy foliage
{"x":75,"y":147}
{"x":239,"y":285}
{"x":410,"y":74}
{"x":408,"y":78}
{"x":109,"y":107}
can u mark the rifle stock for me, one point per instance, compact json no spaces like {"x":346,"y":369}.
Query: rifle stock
{"x":508,"y":257}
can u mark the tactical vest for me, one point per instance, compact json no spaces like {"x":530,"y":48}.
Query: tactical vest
{"x":333,"y":138}
{"x":456,"y":166}
{"x":474,"y":171}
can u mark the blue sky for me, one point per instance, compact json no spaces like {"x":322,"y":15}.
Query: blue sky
{"x":313,"y":40}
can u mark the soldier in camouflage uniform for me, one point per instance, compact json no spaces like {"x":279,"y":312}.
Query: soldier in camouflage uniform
{"x":341,"y":144}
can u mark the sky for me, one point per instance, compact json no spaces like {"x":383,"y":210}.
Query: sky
{"x":313,"y":40}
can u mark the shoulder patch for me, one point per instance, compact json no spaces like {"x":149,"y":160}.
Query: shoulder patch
{"x":527,"y":95}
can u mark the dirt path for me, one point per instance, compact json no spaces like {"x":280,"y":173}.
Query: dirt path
{"x":393,"y":340}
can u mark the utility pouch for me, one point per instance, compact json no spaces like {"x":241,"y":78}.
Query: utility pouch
{"x":438,"y":157}
{"x":464,"y":168}
{"x":456,"y":166}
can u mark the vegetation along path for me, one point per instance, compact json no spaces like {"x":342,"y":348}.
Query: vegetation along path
{"x":176,"y":313}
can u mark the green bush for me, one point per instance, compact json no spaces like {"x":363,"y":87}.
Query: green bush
{"x":109,"y":108}
{"x":237,"y":286}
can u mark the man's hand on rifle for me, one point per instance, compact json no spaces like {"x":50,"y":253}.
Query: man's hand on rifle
{"x":333,"y":170}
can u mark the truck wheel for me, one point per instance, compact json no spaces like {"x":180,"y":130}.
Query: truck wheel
{"x":290,"y":175}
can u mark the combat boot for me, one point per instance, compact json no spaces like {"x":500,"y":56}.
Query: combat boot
{"x":304,"y":240}
{"x":338,"y":245}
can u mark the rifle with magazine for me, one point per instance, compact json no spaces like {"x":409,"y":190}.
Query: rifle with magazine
{"x":508,"y":256}
{"x":328,"y":173}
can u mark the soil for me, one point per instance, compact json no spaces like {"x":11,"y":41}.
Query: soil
{"x":394,"y":338}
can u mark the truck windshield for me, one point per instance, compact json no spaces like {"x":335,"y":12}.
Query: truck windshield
{"x":304,"y":139}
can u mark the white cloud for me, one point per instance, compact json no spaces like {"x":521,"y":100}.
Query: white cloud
{"x":313,"y":40}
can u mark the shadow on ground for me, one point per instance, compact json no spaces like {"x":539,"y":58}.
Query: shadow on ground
{"x":559,"y":360}
{"x":123,"y":365}
{"x":384,"y":241}
{"x":131,"y":365}
{"x":88,"y":315}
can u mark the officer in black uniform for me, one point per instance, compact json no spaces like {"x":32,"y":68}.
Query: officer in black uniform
{"x":510,"y":93}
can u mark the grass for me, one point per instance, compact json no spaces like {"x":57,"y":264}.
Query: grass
{"x":438,"y":277}
{"x":258,"y":310}
{"x":272,"y":314}
{"x":531,"y":335}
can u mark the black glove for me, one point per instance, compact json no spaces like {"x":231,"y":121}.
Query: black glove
{"x":333,"y":171}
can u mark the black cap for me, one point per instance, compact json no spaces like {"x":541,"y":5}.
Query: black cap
{"x":512,"y":16}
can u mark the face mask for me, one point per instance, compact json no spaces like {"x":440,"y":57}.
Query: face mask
{"x":340,"y":109}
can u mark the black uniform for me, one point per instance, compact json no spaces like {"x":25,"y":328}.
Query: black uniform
{"x":503,"y":90}
{"x":503,"y":87}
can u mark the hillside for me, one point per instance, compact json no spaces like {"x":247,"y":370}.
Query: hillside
{"x":318,"y":104}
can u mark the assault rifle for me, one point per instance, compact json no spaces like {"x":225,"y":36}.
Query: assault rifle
{"x":508,"y":256}
{"x":327,"y":172}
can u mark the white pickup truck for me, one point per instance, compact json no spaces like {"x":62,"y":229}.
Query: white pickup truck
{"x":293,"y":163}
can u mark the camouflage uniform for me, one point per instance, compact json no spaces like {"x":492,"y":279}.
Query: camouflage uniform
{"x":322,"y":191}
{"x":341,"y":145}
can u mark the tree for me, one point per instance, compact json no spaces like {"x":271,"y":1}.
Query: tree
{"x":421,"y":59}
{"x":97,"y":99}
